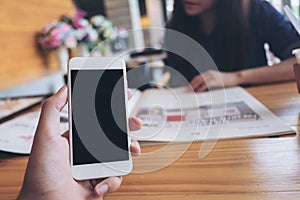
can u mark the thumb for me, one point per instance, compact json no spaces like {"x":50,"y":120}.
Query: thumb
{"x":48,"y":125}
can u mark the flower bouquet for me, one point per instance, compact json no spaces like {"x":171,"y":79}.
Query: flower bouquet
{"x":77,"y":33}
{"x":94,"y":33}
{"x":55,"y":35}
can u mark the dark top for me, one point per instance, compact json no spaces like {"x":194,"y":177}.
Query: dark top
{"x":267,"y":25}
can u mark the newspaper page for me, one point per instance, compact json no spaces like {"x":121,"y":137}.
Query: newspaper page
{"x":172,"y":115}
{"x":16,"y":135}
{"x":9,"y":107}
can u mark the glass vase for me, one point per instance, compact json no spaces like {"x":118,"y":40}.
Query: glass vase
{"x":82,"y":50}
{"x":63,"y":58}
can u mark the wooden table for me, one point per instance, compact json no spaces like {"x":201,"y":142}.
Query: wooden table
{"x":260,"y":168}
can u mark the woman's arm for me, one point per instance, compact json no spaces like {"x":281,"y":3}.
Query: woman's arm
{"x":266,"y":74}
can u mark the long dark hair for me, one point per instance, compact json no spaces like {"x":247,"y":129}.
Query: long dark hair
{"x":232,"y":22}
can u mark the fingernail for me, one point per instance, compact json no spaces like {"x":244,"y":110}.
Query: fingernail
{"x":137,"y":148}
{"x":137,"y":121}
{"x":103,"y":189}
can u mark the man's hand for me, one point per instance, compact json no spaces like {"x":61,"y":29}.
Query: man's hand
{"x":48,"y":174}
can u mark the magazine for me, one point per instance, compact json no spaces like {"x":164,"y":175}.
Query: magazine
{"x":177,"y":115}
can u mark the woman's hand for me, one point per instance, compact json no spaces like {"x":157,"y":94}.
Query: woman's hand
{"x":214,"y":79}
{"x":48,"y":174}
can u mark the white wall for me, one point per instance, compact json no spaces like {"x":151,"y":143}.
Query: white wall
{"x":125,"y":14}
{"x":155,"y":13}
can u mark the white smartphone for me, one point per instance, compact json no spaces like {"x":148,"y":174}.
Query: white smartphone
{"x":98,"y":122}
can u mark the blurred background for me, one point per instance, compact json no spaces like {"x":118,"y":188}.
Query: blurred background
{"x":26,"y":54}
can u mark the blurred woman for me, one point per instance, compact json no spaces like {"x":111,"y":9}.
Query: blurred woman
{"x":234,"y":32}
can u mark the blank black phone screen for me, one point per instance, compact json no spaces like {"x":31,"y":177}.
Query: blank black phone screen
{"x":99,"y":123}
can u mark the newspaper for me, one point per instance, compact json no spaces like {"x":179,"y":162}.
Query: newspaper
{"x":16,"y":135}
{"x":172,"y":115}
{"x":10,"y":107}
{"x":176,"y":115}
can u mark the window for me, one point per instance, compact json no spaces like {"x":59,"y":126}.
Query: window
{"x":279,"y":4}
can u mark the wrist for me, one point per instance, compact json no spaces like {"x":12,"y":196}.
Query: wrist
{"x":239,"y":80}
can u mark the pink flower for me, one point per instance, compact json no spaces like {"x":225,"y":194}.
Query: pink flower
{"x":71,"y":42}
{"x":64,"y":28}
{"x":79,"y":14}
{"x":77,"y":17}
